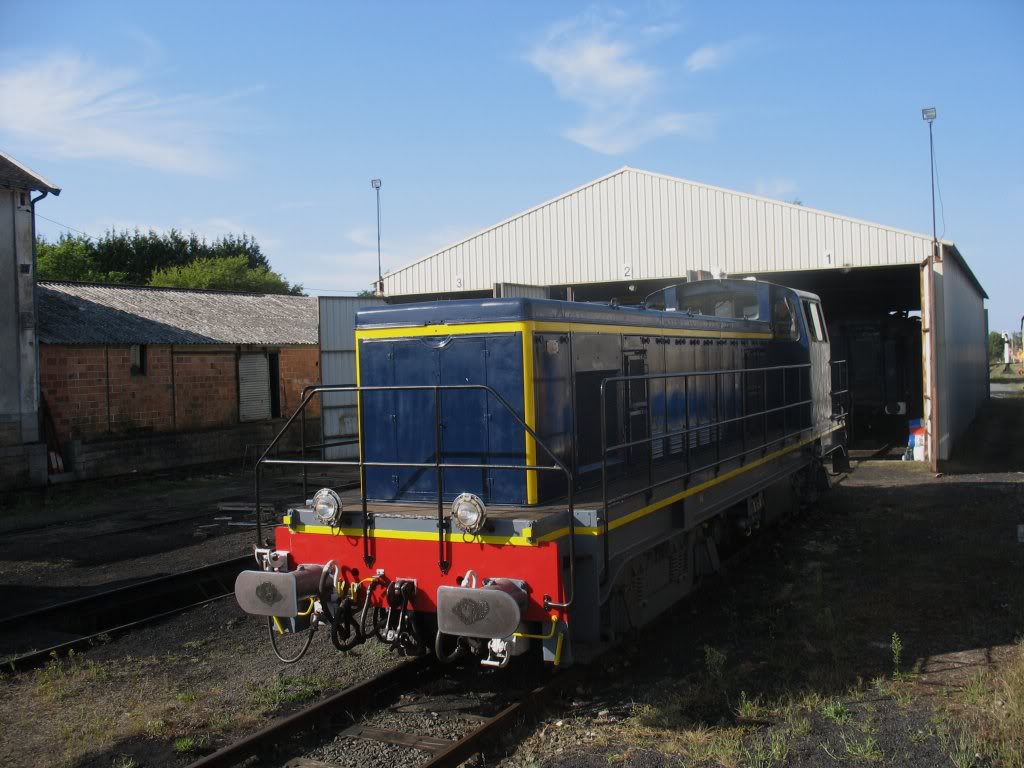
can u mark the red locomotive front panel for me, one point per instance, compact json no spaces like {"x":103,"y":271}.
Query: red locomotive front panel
{"x":416,"y":559}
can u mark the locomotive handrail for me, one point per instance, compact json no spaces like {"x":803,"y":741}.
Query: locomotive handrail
{"x":711,"y":427}
{"x":310,"y":391}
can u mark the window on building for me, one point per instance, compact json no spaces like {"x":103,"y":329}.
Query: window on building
{"x":275,"y":385}
{"x":259,"y":385}
{"x":137,"y":359}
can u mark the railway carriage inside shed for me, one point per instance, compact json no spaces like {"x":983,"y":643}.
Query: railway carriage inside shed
{"x":538,"y":473}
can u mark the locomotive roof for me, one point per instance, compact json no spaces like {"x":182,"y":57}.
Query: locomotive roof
{"x":521,"y":309}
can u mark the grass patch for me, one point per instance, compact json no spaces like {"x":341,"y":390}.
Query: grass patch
{"x":288,"y":689}
{"x":766,"y":750}
{"x":865,"y":748}
{"x":836,"y":711}
{"x":986,"y":718}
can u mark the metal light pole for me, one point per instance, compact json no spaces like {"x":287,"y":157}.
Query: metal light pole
{"x":928,"y":114}
{"x":375,"y":183}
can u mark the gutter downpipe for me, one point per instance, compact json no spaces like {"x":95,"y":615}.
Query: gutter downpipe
{"x":39,"y":395}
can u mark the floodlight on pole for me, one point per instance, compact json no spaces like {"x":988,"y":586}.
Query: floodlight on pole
{"x":928,"y":114}
{"x":375,"y":183}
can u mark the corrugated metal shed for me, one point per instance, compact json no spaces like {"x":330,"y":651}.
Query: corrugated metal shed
{"x":637,"y":225}
{"x":338,"y":417}
{"x":83,"y":313}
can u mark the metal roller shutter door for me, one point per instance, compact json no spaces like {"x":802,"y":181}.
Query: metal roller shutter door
{"x":253,"y":387}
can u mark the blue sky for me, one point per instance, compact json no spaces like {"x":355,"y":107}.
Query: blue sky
{"x":272,"y":118}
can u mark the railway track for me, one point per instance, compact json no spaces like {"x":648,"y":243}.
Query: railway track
{"x":333,"y":732}
{"x":87,"y":620}
{"x":368,"y":718}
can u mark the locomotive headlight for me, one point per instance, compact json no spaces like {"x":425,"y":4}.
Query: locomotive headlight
{"x":469,"y":512}
{"x":327,"y":506}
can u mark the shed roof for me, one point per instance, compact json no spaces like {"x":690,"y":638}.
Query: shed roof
{"x":17,"y":176}
{"x":638,"y":225}
{"x":88,"y":313}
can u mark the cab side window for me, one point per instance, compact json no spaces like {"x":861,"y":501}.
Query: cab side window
{"x":815,"y":322}
{"x":784,"y":321}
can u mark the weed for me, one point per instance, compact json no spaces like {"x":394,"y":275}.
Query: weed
{"x":184,"y":744}
{"x":836,"y":711}
{"x":881,"y":685}
{"x":749,"y":709}
{"x":186,"y":697}
{"x":963,"y":750}
{"x":668,"y":727}
{"x":124,"y":761}
{"x":766,"y":750}
{"x":800,"y":726}
{"x":896,"y":646}
{"x":866,"y":749}
{"x":288,"y":689}
{"x":976,"y":689}
{"x":714,"y":663}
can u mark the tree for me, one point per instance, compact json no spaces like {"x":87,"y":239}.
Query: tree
{"x":227,"y":274}
{"x":995,"y":345}
{"x":72,"y":257}
{"x":134,"y":257}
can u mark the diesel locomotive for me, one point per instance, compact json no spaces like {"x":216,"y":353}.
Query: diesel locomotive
{"x":541,"y":476}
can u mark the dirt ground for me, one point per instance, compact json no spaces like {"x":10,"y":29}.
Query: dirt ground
{"x":882,"y":628}
{"x":885,"y":627}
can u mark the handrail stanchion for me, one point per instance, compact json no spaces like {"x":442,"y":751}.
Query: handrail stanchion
{"x":764,"y":406}
{"x":743,"y":421}
{"x":302,"y":453}
{"x":368,"y":557}
{"x":259,"y":521}
{"x":650,"y":434}
{"x":604,"y":477}
{"x":686,"y":426}
{"x":718,"y":422}
{"x":439,"y":481}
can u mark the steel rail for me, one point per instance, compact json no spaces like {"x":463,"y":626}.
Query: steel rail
{"x":348,"y":703}
{"x":528,"y":708}
{"x":127,"y":607}
{"x":38,"y":658}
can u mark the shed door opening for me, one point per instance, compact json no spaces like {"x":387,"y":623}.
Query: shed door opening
{"x":253,"y":387}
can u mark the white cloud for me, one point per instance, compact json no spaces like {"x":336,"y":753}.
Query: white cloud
{"x":710,"y":57}
{"x":614,"y":135}
{"x":593,"y":64}
{"x":777,"y":189}
{"x":71,"y":107}
{"x":592,"y":70}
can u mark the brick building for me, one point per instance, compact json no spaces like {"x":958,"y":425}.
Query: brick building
{"x":144,"y":378}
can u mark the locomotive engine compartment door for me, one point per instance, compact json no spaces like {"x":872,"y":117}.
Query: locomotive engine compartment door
{"x":636,"y":406}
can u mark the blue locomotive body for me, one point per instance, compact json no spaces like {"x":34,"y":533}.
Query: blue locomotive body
{"x":557,"y":472}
